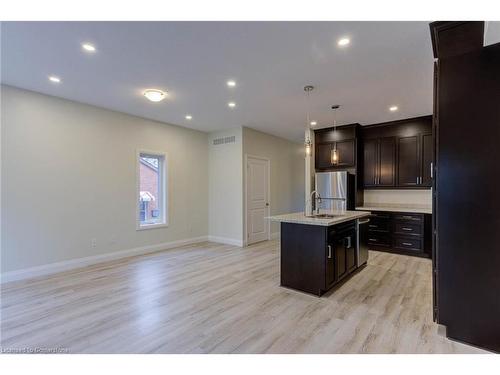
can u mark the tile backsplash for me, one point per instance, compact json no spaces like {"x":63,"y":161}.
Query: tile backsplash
{"x":412,"y":197}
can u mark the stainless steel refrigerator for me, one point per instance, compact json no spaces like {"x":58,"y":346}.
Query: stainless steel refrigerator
{"x":334,"y":190}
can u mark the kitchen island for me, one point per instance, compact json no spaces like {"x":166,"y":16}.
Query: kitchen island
{"x":318,"y":252}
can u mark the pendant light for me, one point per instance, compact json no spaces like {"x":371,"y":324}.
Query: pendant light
{"x":308,"y":142}
{"x":334,"y":155}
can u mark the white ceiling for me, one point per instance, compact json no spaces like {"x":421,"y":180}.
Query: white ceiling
{"x":387,"y":63}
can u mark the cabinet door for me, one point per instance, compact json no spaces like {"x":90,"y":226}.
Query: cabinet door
{"x":340,"y":258}
{"x":408,"y":161}
{"x":330,"y":265}
{"x":370,"y":162}
{"x":323,"y":155}
{"x":387,"y":162}
{"x":427,"y":152}
{"x":350,"y":252}
{"x":347,"y":152}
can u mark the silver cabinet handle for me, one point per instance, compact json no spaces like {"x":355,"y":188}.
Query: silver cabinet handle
{"x":407,"y":229}
{"x":432,"y":171}
{"x":407,"y":244}
{"x":348,"y":242}
{"x":373,"y":226}
{"x":329,"y":252}
{"x":373,"y":239}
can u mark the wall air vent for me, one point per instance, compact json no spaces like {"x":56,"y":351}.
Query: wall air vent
{"x":224,"y":140}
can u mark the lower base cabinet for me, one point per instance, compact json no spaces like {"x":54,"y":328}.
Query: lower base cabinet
{"x":316,"y":258}
{"x":401,"y":232}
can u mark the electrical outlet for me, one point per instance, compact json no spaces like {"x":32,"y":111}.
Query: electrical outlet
{"x":93,"y":243}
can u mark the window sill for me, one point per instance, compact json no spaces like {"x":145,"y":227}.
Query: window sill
{"x":151,"y":226}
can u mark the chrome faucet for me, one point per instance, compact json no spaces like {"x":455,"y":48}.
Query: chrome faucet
{"x":318,"y":199}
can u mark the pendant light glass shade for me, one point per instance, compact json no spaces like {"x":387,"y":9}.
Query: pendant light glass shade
{"x":334,"y":156}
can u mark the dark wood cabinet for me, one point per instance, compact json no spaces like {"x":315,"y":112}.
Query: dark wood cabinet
{"x":398,"y":154}
{"x":340,"y":258}
{"x":379,"y":162}
{"x":315,"y":258}
{"x":370,"y":164}
{"x":344,"y":139}
{"x":402,"y":233}
{"x":408,"y":161}
{"x":466,"y":183}
{"x":330,"y":265}
{"x":323,"y":155}
{"x":427,"y":159}
{"x":387,"y":161}
{"x":346,"y":152}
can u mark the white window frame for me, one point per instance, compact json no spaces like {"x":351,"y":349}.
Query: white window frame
{"x":163,"y":189}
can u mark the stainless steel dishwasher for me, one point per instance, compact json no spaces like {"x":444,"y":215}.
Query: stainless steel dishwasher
{"x":362,"y":243}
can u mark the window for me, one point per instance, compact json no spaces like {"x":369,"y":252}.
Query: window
{"x":151,"y":190}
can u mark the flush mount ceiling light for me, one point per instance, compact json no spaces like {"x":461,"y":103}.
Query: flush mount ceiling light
{"x":231,"y":83}
{"x":54,"y":79}
{"x":88,"y":47}
{"x":393,"y":108}
{"x":342,"y":42}
{"x":189,"y":117}
{"x":231,"y":104}
{"x":154,"y":95}
{"x":314,"y":123}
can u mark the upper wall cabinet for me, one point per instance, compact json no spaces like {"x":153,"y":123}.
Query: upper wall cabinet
{"x":398,"y":154}
{"x":344,"y":139}
{"x":379,"y":162}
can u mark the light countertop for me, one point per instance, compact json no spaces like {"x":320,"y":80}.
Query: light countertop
{"x":416,"y":209}
{"x":300,"y":218}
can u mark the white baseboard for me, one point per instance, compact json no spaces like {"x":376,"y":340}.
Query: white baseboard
{"x":275,"y":235}
{"x":48,"y":269}
{"x":226,"y":240}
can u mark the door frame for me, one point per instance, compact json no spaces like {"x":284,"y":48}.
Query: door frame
{"x":245,"y":201}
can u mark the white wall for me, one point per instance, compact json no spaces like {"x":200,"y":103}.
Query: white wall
{"x":408,"y":197}
{"x":225,"y":211}
{"x":68,"y":175}
{"x":287,"y":170}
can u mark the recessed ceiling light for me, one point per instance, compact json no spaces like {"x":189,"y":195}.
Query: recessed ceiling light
{"x":54,"y":79}
{"x":189,"y":117}
{"x":393,"y":108}
{"x":154,"y":95}
{"x":231,"y":83}
{"x":231,"y":104}
{"x":88,"y":47}
{"x":343,"y":42}
{"x":314,"y":123}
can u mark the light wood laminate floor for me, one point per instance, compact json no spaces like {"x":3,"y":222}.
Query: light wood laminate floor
{"x":212,"y":298}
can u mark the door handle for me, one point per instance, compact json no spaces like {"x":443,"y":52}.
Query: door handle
{"x":329,"y":251}
{"x":348,"y":242}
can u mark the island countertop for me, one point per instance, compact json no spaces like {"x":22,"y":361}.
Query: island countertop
{"x":300,"y":218}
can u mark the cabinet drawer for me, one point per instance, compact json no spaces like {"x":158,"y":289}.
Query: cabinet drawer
{"x":416,"y":218}
{"x":379,"y":225}
{"x":379,"y":239}
{"x":408,"y":243}
{"x":380,"y":215}
{"x":408,"y":227}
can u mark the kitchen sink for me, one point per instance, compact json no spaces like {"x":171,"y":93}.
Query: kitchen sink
{"x":326,"y":216}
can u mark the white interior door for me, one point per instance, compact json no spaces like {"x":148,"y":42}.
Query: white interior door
{"x":257,"y":188}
